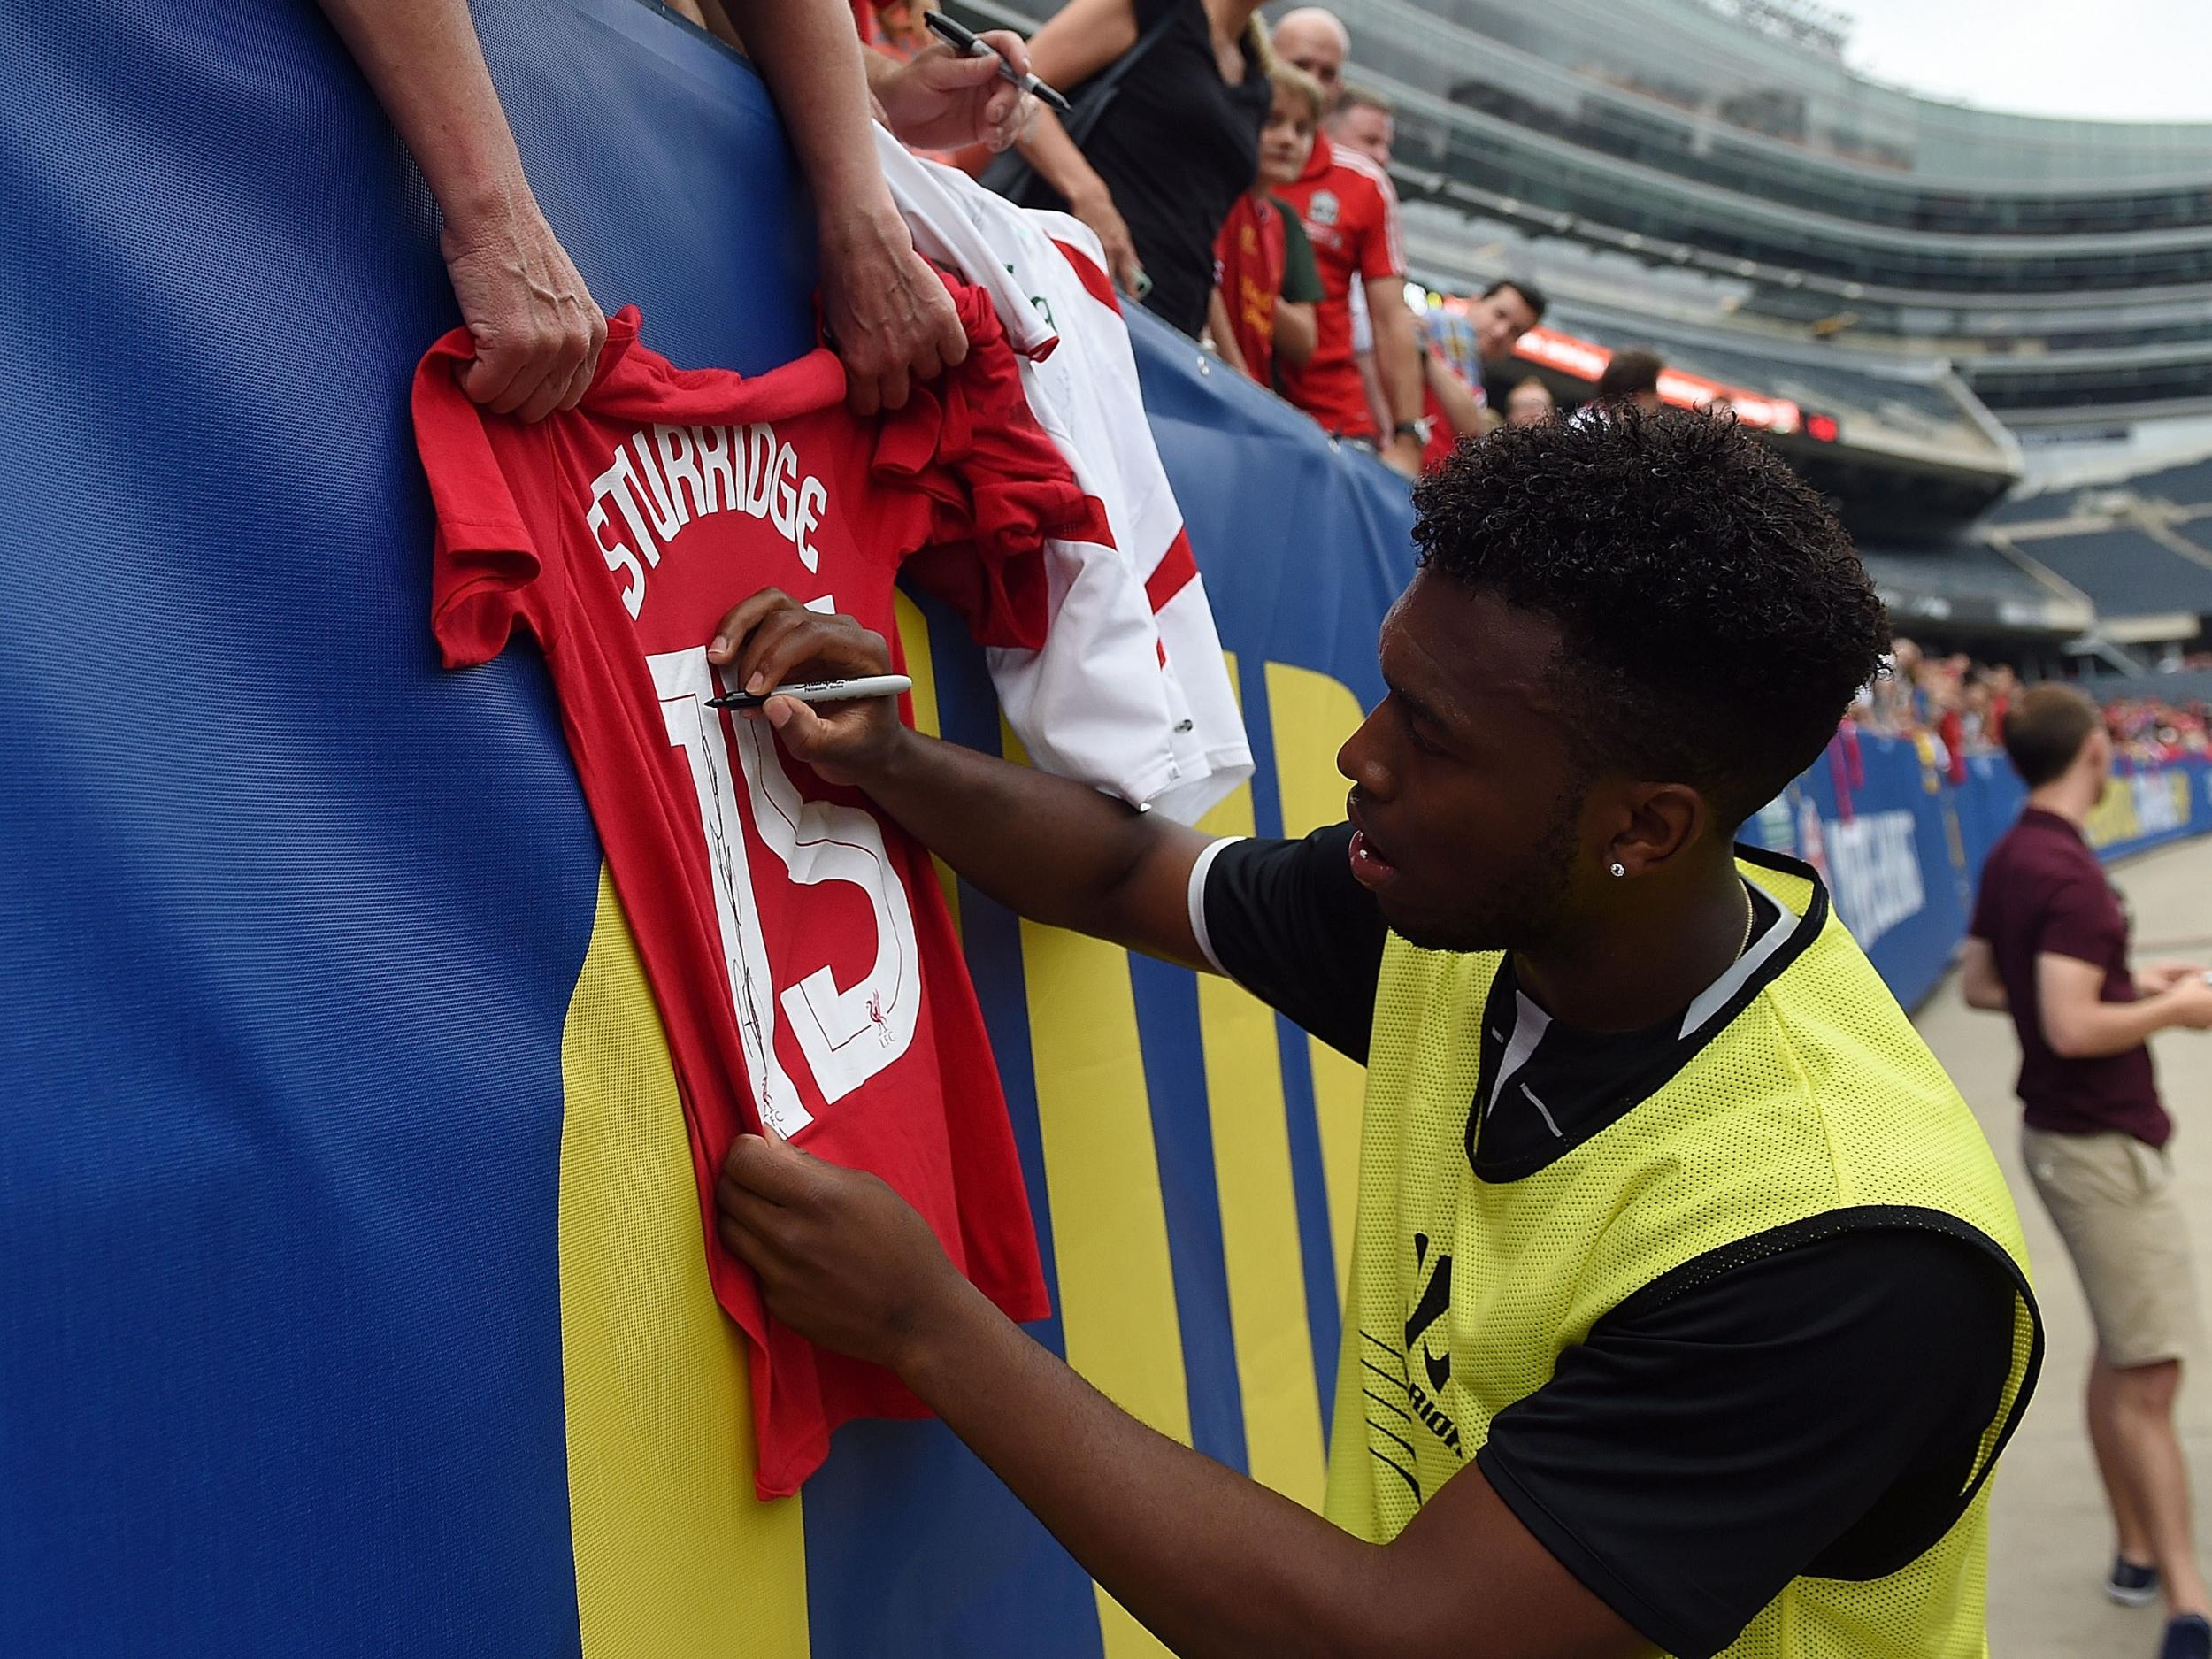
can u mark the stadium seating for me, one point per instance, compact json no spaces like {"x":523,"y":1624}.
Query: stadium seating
{"x":2124,"y":572}
{"x":2187,"y":686}
{"x":1957,"y":573}
{"x":2186,"y":486}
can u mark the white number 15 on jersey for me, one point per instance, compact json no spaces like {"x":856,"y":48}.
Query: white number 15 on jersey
{"x":845,"y":1034}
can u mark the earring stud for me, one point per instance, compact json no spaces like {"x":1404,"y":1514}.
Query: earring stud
{"x":1619,"y":869}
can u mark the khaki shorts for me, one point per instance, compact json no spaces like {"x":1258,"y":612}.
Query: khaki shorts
{"x":2112,"y":1199}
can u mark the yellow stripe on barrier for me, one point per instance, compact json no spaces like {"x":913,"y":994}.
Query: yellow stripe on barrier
{"x":1109,"y":1221}
{"x":674,"y":1556}
{"x":921,"y":668}
{"x":1311,"y":715}
{"x":1259,"y":1221}
{"x":1117,"y":1311}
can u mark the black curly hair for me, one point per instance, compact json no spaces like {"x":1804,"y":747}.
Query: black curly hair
{"x":1716,"y":619}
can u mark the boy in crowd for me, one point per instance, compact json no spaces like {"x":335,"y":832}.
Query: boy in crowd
{"x":1265,"y":284}
{"x":1632,"y":380}
{"x":1529,"y":403}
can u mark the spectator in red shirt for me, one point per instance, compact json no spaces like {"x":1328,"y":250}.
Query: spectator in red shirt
{"x":1455,"y":406}
{"x":1365,"y":123}
{"x":2050,"y":945}
{"x":1350,"y":215}
{"x":1265,"y":284}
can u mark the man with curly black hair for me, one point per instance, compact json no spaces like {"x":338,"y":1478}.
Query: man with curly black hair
{"x":1688,"y":1310}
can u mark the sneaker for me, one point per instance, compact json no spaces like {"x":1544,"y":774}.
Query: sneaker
{"x":2188,"y":1637}
{"x":2131,"y":1584}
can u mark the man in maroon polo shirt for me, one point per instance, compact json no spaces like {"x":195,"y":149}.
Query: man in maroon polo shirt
{"x":2050,"y":945}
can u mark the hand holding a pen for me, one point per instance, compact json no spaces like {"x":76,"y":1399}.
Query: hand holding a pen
{"x":943,"y":99}
{"x":771,"y":640}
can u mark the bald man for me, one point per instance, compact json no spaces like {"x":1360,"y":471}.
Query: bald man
{"x":1316,"y":39}
{"x":1365,"y":381}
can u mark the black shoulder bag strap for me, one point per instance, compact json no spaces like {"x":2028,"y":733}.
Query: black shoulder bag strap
{"x":1012,"y":175}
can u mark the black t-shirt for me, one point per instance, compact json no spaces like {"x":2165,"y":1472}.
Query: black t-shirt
{"x":1302,"y":277}
{"x":1177,"y":146}
{"x":1816,"y":1412}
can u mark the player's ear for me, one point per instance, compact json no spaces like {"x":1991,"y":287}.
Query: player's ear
{"x":1660,"y":819}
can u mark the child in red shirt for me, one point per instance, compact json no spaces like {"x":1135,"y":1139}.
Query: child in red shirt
{"x":1264,"y":280}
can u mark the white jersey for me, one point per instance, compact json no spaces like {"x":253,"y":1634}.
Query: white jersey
{"x":1130,"y":693}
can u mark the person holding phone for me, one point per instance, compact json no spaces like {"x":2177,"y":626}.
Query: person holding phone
{"x":1169,"y":98}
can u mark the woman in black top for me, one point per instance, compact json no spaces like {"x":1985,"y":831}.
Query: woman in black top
{"x":1173,"y":148}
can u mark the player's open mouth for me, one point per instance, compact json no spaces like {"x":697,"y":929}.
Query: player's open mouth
{"x":1370,"y":868}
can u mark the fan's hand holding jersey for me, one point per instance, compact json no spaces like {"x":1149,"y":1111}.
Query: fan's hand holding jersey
{"x":1129,"y":692}
{"x":797,"y":944}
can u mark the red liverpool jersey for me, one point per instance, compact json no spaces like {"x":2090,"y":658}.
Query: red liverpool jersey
{"x":797,"y":943}
{"x":1248,"y":259}
{"x":1350,"y":215}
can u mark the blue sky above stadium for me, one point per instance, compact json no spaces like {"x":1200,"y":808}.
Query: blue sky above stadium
{"x":2119,"y":60}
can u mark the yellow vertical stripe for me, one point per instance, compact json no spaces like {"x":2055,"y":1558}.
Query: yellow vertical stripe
{"x":921,"y":667}
{"x":1259,"y":1221}
{"x":1117,"y":1311}
{"x":1109,"y":1221}
{"x":914,"y":646}
{"x":1311,"y":715}
{"x":674,"y":1556}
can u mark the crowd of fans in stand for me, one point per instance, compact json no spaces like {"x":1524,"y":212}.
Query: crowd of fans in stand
{"x":2152,"y":732}
{"x":1238,"y":186}
{"x":1319,"y":225}
{"x":1958,"y":706}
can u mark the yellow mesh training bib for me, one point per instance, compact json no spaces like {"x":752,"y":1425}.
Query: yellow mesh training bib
{"x":1812,"y":1108}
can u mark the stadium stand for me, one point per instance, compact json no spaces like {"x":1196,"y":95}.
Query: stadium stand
{"x":1969,"y":585}
{"x":2186,"y":486}
{"x":2062,"y":266}
{"x":2035,"y":507}
{"x":2124,"y":572}
{"x":2185,"y":685}
{"x":1924,"y":282}
{"x":360,"y":1304}
{"x":1889,"y":396}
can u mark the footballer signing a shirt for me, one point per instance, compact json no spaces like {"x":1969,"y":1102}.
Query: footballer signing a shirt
{"x":1688,"y":1311}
